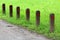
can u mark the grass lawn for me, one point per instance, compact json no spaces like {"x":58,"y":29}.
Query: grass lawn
{"x":45,"y":6}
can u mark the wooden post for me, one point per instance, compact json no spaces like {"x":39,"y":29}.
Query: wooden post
{"x":3,"y":8}
{"x":37,"y":18}
{"x":11,"y":11}
{"x":52,"y":19}
{"x":27,"y":14}
{"x":18,"y":12}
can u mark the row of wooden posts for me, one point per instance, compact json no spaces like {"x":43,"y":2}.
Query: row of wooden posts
{"x":28,"y":15}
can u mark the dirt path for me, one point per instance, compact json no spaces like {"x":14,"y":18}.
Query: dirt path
{"x":16,"y":33}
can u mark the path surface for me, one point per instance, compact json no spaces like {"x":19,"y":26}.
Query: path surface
{"x":17,"y":33}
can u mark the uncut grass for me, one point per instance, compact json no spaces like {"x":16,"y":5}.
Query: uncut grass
{"x":45,"y":6}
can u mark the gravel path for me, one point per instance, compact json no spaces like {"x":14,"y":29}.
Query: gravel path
{"x":12,"y":32}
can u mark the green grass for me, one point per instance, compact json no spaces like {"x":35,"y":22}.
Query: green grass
{"x":45,"y":6}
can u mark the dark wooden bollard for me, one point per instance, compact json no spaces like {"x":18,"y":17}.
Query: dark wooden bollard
{"x":11,"y":10}
{"x":27,"y":14}
{"x":37,"y":18}
{"x":18,"y":12}
{"x":3,"y":8}
{"x":52,"y":19}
